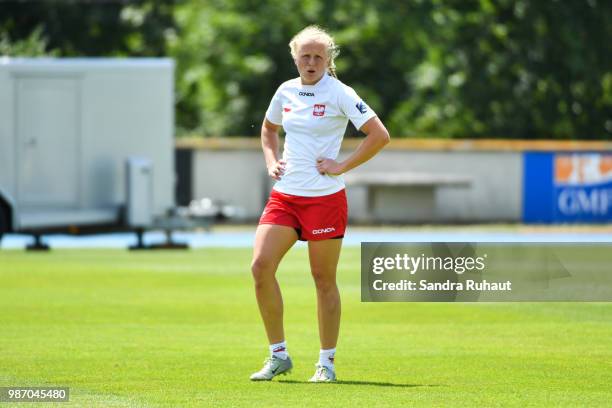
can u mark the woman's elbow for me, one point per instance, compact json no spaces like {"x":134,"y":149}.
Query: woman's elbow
{"x":377,"y":132}
{"x":384,"y":137}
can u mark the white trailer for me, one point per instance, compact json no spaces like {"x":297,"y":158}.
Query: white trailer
{"x":67,"y":129}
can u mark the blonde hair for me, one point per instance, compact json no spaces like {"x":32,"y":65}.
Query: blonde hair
{"x":318,"y":34}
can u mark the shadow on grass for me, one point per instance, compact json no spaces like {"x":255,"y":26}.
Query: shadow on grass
{"x":378,"y":384}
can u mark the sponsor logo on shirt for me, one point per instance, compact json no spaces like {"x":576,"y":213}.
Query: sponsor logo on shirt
{"x":306,"y":94}
{"x":361,"y":107}
{"x":323,"y":230}
{"x":319,"y":110}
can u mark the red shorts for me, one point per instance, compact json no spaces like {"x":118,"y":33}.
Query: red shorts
{"x":314,"y":218}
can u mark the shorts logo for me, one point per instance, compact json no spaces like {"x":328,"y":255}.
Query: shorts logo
{"x":306,"y":94}
{"x":319,"y":110}
{"x":286,"y":109}
{"x":323,"y":230}
{"x":361,"y":107}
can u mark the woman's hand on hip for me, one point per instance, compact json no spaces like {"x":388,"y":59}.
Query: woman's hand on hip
{"x":277,"y":169}
{"x":329,"y":166}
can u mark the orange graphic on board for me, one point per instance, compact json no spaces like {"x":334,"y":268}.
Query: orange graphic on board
{"x":579,"y":169}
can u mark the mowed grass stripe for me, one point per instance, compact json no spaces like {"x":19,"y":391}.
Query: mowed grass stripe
{"x":183,"y":329}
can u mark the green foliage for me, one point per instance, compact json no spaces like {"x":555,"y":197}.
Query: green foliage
{"x":34,"y":45}
{"x":473,"y":68}
{"x":91,"y":29}
{"x":232,"y":55}
{"x":513,"y":68}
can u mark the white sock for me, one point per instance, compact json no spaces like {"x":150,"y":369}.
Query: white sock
{"x":279,"y":350}
{"x":326,"y":357}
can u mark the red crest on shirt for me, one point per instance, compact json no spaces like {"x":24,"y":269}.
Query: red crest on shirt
{"x":319,"y":110}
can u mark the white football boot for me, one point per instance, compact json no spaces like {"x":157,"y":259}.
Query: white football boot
{"x":273,"y":366}
{"x":323,"y":374}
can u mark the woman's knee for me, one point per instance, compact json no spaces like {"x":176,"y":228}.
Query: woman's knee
{"x":262,"y":269}
{"x":324,"y":280}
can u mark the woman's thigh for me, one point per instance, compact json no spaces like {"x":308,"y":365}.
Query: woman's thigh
{"x":324,"y":257}
{"x":271,"y":243}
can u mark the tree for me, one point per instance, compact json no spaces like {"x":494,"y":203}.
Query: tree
{"x":443,"y":68}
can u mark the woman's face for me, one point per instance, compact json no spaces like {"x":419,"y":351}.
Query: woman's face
{"x":311,"y":61}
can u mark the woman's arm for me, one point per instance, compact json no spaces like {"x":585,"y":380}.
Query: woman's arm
{"x":269,"y":144}
{"x":377,"y":137}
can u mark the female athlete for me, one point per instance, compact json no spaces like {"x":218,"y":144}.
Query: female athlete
{"x":308,"y":200}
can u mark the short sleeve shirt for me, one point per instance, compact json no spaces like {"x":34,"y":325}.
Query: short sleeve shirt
{"x":314,"y":118}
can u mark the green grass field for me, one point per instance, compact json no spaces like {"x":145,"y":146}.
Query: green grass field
{"x":181,"y":329}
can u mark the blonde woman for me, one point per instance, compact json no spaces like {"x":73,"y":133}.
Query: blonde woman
{"x":308,"y":201}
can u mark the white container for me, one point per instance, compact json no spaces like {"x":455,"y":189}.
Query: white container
{"x":67,"y":127}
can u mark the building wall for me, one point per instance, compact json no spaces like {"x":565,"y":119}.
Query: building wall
{"x":233,"y":170}
{"x":236,"y":177}
{"x":493,"y":195}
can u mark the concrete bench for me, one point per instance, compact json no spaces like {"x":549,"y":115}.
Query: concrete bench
{"x":398,"y":196}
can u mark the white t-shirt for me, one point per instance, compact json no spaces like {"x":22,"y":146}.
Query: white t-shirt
{"x":314,"y":118}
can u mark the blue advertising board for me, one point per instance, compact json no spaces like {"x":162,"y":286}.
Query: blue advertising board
{"x":567,"y":187}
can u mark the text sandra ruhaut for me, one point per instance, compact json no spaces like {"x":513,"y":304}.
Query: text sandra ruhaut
{"x":447,"y":285}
